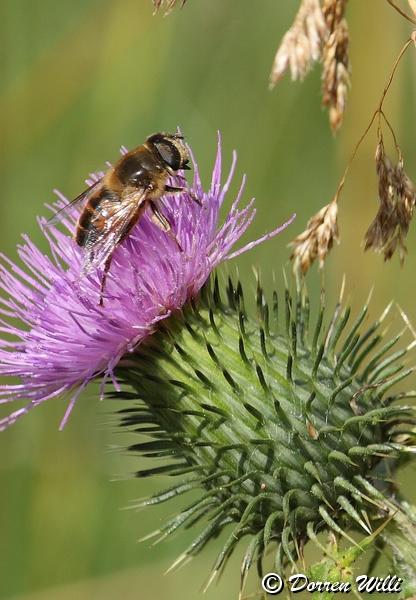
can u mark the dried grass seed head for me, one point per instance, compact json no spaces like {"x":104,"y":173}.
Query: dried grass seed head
{"x":317,"y":239}
{"x":169,"y":4}
{"x":302,"y":44}
{"x":387,"y":233}
{"x":335,"y":62}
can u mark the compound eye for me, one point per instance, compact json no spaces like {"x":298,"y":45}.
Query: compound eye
{"x":169,"y":154}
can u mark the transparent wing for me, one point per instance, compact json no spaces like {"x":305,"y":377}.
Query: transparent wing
{"x":83,"y":197}
{"x":111,"y":223}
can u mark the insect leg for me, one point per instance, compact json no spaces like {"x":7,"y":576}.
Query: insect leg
{"x":194,"y":197}
{"x":162,"y":222}
{"x":173,"y":190}
{"x":107,"y":265}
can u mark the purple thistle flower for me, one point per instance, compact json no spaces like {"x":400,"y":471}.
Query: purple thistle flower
{"x":62,"y":338}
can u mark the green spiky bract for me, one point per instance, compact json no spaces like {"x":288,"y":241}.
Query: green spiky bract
{"x":285,"y":424}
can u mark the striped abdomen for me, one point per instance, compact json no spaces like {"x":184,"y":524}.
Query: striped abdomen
{"x":92,"y":222}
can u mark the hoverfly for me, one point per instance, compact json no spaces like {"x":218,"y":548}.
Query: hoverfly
{"x":115,"y":203}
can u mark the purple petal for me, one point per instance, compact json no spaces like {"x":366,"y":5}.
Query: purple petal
{"x":62,"y":338}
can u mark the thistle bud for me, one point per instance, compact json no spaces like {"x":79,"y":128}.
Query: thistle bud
{"x":285,"y":428}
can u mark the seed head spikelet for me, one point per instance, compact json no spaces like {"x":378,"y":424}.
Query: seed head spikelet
{"x":387,"y":233}
{"x":301,"y":45}
{"x":317,"y":240}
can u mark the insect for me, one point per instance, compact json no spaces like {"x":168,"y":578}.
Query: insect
{"x":115,"y":203}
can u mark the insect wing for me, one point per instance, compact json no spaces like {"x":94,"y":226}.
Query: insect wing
{"x":65,"y":210}
{"x":113,"y":221}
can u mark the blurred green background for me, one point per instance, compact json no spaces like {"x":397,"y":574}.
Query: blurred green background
{"x":77,"y":80}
